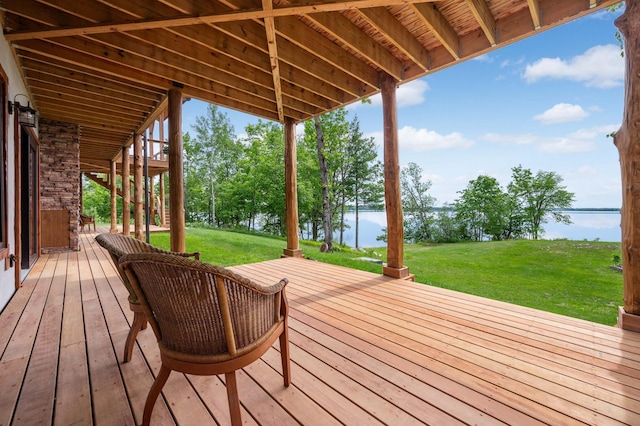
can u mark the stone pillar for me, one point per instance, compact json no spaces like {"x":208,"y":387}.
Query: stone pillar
{"x":60,"y":182}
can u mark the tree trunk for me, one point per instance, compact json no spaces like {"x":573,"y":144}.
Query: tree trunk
{"x":626,"y":140}
{"x":324,"y":178}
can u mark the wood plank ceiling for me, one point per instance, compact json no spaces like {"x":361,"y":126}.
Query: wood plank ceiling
{"x":107,"y":64}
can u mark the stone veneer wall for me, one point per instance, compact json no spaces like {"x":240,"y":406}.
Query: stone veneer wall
{"x":60,"y":175}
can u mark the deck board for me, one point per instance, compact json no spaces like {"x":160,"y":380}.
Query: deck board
{"x":365,"y":349}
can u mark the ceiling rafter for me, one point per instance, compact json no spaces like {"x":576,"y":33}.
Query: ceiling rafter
{"x":384,"y":22}
{"x":483,"y":15}
{"x":536,"y":17}
{"x":270,"y":30}
{"x":348,"y":33}
{"x":441,"y":29}
{"x":177,"y":21}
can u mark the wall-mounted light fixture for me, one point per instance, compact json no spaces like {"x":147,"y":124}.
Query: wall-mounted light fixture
{"x":27,"y":116}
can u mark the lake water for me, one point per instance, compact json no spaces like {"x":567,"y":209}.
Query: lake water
{"x":587,"y":225}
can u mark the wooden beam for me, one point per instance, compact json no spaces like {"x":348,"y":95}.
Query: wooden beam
{"x":534,"y":10}
{"x":383,"y":21}
{"x":291,"y":189}
{"x":626,"y":140}
{"x":114,"y":198}
{"x":126,"y":192}
{"x":392,"y":195}
{"x":270,"y":29}
{"x":138,"y":188}
{"x":441,"y":29}
{"x":178,"y":21}
{"x":176,"y":178}
{"x":349,"y":34}
{"x":483,"y":15}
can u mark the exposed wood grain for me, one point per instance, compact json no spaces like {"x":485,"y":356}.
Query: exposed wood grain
{"x":365,"y":349}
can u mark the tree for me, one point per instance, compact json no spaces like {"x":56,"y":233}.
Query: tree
{"x":417,"y":204}
{"x":446,"y":229}
{"x":214,"y":154}
{"x":363,"y":183}
{"x":481,"y":208}
{"x":540,"y":197}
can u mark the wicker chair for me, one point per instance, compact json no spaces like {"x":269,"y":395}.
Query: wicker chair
{"x":118,"y":245}
{"x":208,"y":320}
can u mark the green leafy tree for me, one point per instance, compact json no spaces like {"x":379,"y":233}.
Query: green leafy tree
{"x":363,"y":184}
{"x":481,"y":209}
{"x":264,"y":169}
{"x":417,"y":204}
{"x":214,"y":154}
{"x":328,"y":134}
{"x":446,"y":229}
{"x":540,"y":197}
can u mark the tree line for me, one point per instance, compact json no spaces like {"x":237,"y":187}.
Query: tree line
{"x":238,"y":182}
{"x":484,"y":210}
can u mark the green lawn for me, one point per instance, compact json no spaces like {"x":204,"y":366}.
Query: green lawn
{"x":567,"y":277}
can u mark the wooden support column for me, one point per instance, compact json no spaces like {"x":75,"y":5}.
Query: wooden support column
{"x":161,"y":208}
{"x":291,"y":189}
{"x":176,"y":178}
{"x":626,"y":140}
{"x":126,"y":192}
{"x":392,"y":195}
{"x":114,"y":198}
{"x":138,"y":189}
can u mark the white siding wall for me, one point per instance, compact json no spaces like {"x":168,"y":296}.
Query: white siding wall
{"x":16,"y":86}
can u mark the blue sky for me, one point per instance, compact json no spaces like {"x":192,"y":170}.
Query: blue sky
{"x":547,"y":103}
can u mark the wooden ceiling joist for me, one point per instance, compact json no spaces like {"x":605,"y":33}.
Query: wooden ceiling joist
{"x":107,"y":65}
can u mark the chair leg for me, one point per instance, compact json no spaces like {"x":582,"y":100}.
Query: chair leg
{"x":232,"y":396}
{"x":284,"y":355}
{"x":139,"y":323}
{"x":161,"y":379}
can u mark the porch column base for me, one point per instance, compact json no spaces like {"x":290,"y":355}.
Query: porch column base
{"x":399,"y":273}
{"x":291,"y":253}
{"x":627,"y":321}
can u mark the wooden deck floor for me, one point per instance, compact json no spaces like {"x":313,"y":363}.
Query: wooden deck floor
{"x":365,"y":350}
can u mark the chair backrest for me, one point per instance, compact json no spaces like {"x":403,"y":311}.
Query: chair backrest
{"x":119,"y":245}
{"x":86,"y":218}
{"x":200,"y":311}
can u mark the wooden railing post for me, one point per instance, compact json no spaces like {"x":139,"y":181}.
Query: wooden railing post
{"x":176,"y":178}
{"x":126,"y":192}
{"x":291,"y":189}
{"x":392,"y":195}
{"x":114,"y":198}
{"x":138,"y":188}
{"x":626,"y":140}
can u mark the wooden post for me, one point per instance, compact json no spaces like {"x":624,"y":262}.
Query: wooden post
{"x":114,"y":198}
{"x":126,"y":193}
{"x":161,"y":202}
{"x":161,"y":207}
{"x":392,"y":195}
{"x":291,"y":189}
{"x":138,"y":190}
{"x":626,"y":140}
{"x":176,"y":178}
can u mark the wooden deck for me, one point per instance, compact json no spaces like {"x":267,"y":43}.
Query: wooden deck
{"x":365,"y":350}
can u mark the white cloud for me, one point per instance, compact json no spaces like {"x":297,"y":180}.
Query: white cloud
{"x":601,"y":67}
{"x":412,"y":93}
{"x":413,"y":139}
{"x":523,"y":139}
{"x":562,"y":113}
{"x":483,"y":58}
{"x":566,"y":145}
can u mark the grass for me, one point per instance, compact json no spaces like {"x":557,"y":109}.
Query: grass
{"x":571,"y":278}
